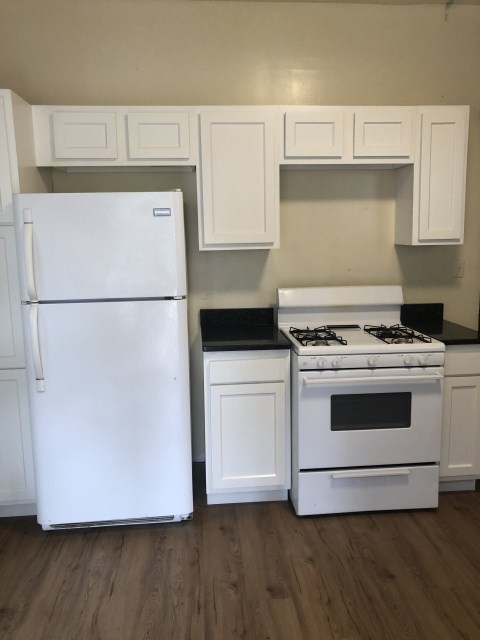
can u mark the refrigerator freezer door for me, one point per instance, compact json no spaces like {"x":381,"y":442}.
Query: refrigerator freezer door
{"x":85,"y":246}
{"x":111,"y":430}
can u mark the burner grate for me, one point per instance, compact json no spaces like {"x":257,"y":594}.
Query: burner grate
{"x":396,"y":334}
{"x":320,"y":336}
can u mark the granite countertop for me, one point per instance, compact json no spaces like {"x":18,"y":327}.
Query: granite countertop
{"x":240,"y":330}
{"x":428,"y":318}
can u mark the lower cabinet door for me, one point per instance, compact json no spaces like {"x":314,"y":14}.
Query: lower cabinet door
{"x":16,"y":464}
{"x":248,"y":435}
{"x":460,"y":455}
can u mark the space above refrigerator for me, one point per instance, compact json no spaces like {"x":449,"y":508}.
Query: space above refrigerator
{"x":104,"y":309}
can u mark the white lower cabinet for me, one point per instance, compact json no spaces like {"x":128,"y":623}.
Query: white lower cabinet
{"x":17,"y":487}
{"x":16,"y":465}
{"x":247,"y":425}
{"x":460,"y":454}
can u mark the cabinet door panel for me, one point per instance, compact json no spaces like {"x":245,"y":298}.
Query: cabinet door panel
{"x":84,"y":134}
{"x":442,"y":175}
{"x":158,"y":135}
{"x":383,"y":133}
{"x":239,"y":182}
{"x":461,"y":427}
{"x":16,"y":465}
{"x":248,"y":435}
{"x":314,"y":134}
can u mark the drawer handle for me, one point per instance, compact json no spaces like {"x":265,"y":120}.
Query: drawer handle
{"x":383,"y":380}
{"x":370,"y":473}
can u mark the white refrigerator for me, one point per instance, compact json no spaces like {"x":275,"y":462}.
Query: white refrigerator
{"x":104,"y":303}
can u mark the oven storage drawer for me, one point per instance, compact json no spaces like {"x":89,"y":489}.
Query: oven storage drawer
{"x":366,"y":489}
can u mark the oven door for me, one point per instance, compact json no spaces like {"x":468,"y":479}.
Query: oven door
{"x":368,"y":417}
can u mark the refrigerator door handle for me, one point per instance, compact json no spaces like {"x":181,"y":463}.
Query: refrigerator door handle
{"x":36,"y":355}
{"x":28,"y":252}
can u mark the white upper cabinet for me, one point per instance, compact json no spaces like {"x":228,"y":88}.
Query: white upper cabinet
{"x":383,"y":132}
{"x":158,"y":135}
{"x":114,"y":136}
{"x":238,"y":152}
{"x":314,"y":133}
{"x":238,"y":181}
{"x":84,"y":135}
{"x":431,"y":196}
{"x":443,"y":158}
{"x":8,"y":158}
{"x":347,"y":135}
{"x":5,"y":179}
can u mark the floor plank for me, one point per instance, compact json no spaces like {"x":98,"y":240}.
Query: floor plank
{"x":248,"y":571}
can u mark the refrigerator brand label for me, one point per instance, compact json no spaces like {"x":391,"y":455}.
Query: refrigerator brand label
{"x":162,"y":211}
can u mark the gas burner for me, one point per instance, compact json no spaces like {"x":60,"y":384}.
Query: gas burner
{"x":320,"y":336}
{"x":396,"y":334}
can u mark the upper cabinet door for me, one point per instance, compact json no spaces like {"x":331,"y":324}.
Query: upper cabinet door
{"x":442,"y":174}
{"x":84,"y":135}
{"x":158,"y":135}
{"x":6,"y":214}
{"x":383,"y":132}
{"x":117,"y":136}
{"x":314,"y":133}
{"x":238,"y":180}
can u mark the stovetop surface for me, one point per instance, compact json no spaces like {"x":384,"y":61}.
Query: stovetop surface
{"x":355,"y":339}
{"x":347,"y":310}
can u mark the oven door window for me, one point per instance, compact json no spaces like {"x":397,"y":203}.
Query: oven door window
{"x":366,"y":411}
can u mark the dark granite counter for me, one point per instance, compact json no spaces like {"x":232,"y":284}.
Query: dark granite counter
{"x":240,"y":330}
{"x":428,"y":318}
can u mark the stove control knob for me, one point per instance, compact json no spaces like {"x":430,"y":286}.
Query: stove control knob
{"x":423,"y":360}
{"x":372,"y":361}
{"x":336,"y":362}
{"x":408,"y":361}
{"x":321,"y":363}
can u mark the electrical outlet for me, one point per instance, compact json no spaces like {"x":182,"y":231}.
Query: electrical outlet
{"x":458,"y":268}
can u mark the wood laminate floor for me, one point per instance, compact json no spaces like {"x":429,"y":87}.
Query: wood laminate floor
{"x":252,"y":571}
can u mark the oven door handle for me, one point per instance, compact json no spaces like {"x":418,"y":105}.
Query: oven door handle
{"x":370,"y":473}
{"x":338,"y":381}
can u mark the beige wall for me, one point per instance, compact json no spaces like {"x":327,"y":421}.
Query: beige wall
{"x":336,"y":226}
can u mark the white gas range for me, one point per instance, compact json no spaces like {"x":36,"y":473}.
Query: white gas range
{"x":366,"y":401}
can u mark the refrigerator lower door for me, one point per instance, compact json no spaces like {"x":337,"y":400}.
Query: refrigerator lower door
{"x":111,"y":429}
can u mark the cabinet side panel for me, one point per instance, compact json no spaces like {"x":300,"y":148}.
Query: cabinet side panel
{"x":5,"y":177}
